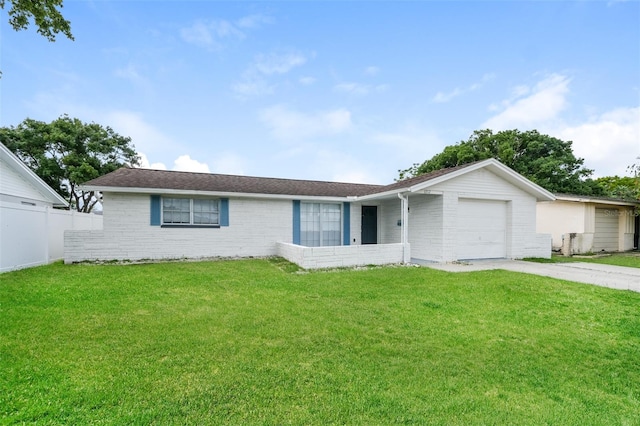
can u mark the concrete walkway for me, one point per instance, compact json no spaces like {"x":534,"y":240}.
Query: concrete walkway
{"x":618,"y":277}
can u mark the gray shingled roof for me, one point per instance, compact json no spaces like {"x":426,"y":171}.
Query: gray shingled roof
{"x":127,"y":177}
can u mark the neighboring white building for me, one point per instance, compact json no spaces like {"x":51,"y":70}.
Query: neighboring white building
{"x":476,"y":211}
{"x":589,"y":224}
{"x":31,"y":230}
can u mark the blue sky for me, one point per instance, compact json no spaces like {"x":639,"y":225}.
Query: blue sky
{"x":348,"y":91}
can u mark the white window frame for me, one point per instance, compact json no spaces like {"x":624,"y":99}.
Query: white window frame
{"x":321,"y":239}
{"x":191,"y":213}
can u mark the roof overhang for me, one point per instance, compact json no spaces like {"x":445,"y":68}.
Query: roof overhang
{"x":595,"y":200}
{"x":28,"y":175}
{"x":490,"y":164}
{"x":221,"y":194}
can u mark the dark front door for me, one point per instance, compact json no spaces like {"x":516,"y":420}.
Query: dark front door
{"x":369,"y":224}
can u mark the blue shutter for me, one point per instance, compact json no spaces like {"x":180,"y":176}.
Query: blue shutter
{"x":155,"y":210}
{"x":224,"y":212}
{"x":346,"y":224}
{"x":296,"y":222}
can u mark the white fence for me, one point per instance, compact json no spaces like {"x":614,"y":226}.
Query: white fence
{"x":34,"y":235}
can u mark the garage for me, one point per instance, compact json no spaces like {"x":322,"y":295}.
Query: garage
{"x":482,"y":229}
{"x":606,"y":230}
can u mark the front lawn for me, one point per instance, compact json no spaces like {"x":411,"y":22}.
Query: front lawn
{"x":246,"y":342}
{"x":629,"y":259}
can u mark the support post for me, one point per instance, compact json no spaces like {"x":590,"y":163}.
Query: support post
{"x":404,"y":206}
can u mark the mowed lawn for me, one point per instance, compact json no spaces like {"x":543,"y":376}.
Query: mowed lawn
{"x":250,"y":342}
{"x":628,"y":259}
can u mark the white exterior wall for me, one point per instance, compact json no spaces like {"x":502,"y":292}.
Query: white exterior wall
{"x":14,"y":187}
{"x":426,"y":232}
{"x":255,"y":226}
{"x":389,"y":213}
{"x":522,"y":240}
{"x":560,"y":218}
{"x":341,"y":256}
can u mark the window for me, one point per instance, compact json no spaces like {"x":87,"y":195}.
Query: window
{"x":187,"y":211}
{"x":320,"y":224}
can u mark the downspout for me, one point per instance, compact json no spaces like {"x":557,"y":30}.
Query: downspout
{"x":404,"y":206}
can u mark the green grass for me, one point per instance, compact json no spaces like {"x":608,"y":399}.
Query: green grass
{"x":250,"y":342}
{"x":630,"y":259}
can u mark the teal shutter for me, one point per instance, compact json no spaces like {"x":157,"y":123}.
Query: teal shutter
{"x":346,"y":224}
{"x":155,"y":210}
{"x":224,"y":212}
{"x":296,"y":222}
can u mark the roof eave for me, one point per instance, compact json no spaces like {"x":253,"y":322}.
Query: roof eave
{"x":183,"y":192}
{"x":498,"y":168}
{"x":29,"y":175}
{"x":586,"y":199}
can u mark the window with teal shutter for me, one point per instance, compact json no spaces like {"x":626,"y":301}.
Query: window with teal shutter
{"x":189,"y":212}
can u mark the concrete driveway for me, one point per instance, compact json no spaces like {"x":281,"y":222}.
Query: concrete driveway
{"x":618,"y":277}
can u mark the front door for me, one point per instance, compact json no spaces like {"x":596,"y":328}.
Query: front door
{"x":369,"y":224}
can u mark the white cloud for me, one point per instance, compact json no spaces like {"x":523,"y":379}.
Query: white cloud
{"x":144,"y":163}
{"x":442,"y":97}
{"x":275,"y":63}
{"x":307,"y":81}
{"x":212,"y":34}
{"x":254,"y":81}
{"x":289,"y":124}
{"x":359,"y":89}
{"x":254,"y":21}
{"x":144,"y":136}
{"x":229,"y":163}
{"x":410,"y":143}
{"x":185,"y":163}
{"x":129,"y":72}
{"x":253,"y":86}
{"x":546,"y":100}
{"x":372,"y":70}
{"x":609,"y":142}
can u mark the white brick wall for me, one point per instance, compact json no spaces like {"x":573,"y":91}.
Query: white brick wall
{"x":341,"y":256}
{"x":522,"y":240}
{"x":425,"y":222}
{"x":254,"y":227}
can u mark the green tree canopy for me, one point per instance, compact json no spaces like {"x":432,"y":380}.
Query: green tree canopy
{"x":67,"y":152}
{"x":626,"y":187}
{"x":543,"y":159}
{"x":44,"y":13}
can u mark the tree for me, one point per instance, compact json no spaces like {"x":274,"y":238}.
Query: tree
{"x":44,"y":13}
{"x":543,"y":159}
{"x":67,"y":152}
{"x":626,"y":187}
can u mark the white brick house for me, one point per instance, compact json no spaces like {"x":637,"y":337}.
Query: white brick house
{"x":479,"y":210}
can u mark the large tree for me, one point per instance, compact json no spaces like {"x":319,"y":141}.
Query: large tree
{"x":625,"y":187}
{"x":67,"y":152}
{"x":44,"y":13}
{"x":543,"y":159}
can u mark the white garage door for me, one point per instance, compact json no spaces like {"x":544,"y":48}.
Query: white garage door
{"x":606,"y":231}
{"x":482,"y":229}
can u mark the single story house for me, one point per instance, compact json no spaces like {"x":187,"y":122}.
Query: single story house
{"x":24,"y":198}
{"x":589,"y":224}
{"x":475,"y":211}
